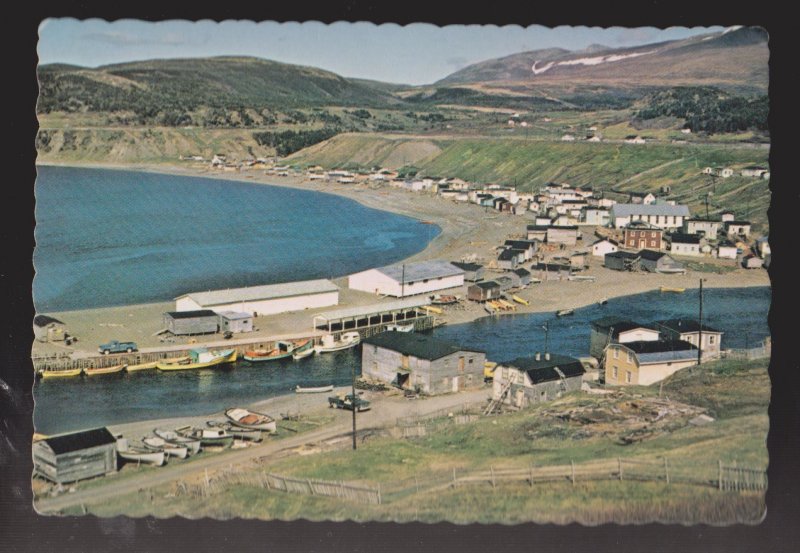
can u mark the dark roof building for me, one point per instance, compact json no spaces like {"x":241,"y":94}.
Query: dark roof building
{"x":682,"y":238}
{"x":466,"y":266}
{"x":418,"y":345}
{"x":44,"y":320}
{"x":546,"y":370}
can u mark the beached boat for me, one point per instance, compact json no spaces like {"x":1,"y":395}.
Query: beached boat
{"x":245,"y":418}
{"x":152,"y":364}
{"x":314,"y":390}
{"x":46,"y":374}
{"x":199,"y":358}
{"x":443,"y":299}
{"x":191,"y":444}
{"x":306,"y":352}
{"x":208,"y":436}
{"x":565,"y":312}
{"x":432,"y":309}
{"x":139,"y":454}
{"x":93,"y":371}
{"x":159,"y":444}
{"x":520,"y":300}
{"x":602,"y":301}
{"x":282,"y":350}
{"x":400,"y":328}
{"x":489,"y":309}
{"x":329,"y":344}
{"x":251,"y":434}
{"x":672,"y":289}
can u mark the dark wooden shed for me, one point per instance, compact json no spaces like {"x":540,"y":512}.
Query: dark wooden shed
{"x":75,"y":456}
{"x":200,"y":321}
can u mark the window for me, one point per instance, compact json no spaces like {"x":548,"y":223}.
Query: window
{"x":653,"y":234}
{"x":471,"y":360}
{"x":616,"y":353}
{"x":424,"y":281}
{"x":711,"y":338}
{"x":628,"y":377}
{"x":630,"y":357}
{"x":614,"y":372}
{"x":652,"y":243}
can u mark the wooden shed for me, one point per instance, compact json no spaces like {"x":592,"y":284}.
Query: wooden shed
{"x":473,"y":272}
{"x":505,"y":282}
{"x":200,"y":321}
{"x":484,"y":291}
{"x":48,"y":329}
{"x":235,"y":321}
{"x":75,"y":456}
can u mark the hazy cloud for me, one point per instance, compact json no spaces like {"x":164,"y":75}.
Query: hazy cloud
{"x":636,"y":36}
{"x":127,"y":39}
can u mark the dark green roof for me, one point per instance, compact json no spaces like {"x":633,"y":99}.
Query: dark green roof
{"x":77,"y":441}
{"x":417,"y":345}
{"x":544,"y":370}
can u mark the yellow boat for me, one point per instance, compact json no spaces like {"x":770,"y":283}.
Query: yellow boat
{"x":671,"y":289}
{"x":432,"y":309}
{"x":520,"y":300}
{"x":199,"y":358}
{"x":152,"y":364}
{"x":488,"y":370}
{"x":508,"y":305}
{"x":104,"y":370}
{"x":53,"y":373}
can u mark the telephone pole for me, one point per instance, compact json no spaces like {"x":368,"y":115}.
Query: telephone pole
{"x":353,"y":378}
{"x":700,"y":328}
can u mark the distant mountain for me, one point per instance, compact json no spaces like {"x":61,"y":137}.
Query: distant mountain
{"x":191,"y":84}
{"x":735,"y":58}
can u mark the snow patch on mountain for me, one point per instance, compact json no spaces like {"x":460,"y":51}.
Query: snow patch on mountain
{"x":596,"y":60}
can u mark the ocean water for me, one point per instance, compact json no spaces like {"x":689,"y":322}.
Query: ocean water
{"x":109,"y":237}
{"x":75,"y":403}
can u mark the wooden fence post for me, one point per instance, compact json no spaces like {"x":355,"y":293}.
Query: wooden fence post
{"x":491,"y":467}
{"x":531,"y":475}
{"x":379,"y":493}
{"x":735,"y":476}
{"x":719,"y":478}
{"x":666,"y":470}
{"x":454,"y":477}
{"x":573,"y":471}
{"x":310,"y":486}
{"x":619,"y":468}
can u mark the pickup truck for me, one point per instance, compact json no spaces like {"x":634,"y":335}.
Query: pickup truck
{"x":115,"y":346}
{"x":346,"y":402}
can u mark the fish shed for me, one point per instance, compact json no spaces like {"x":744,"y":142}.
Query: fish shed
{"x":48,"y":329}
{"x":484,"y":291}
{"x":199,"y":321}
{"x":75,"y":456}
{"x":235,"y":321}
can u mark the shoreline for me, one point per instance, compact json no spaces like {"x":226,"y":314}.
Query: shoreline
{"x":465,"y":230}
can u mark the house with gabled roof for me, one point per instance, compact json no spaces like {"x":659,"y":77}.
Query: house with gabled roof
{"x":526,"y":381}
{"x":644,"y":363}
{"x":408,"y":279}
{"x":618,"y":330}
{"x":707,"y":338}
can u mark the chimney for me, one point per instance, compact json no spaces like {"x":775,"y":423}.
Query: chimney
{"x":547,"y":356}
{"x":538,"y":356}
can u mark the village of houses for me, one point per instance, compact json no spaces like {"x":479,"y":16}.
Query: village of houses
{"x":566,"y":234}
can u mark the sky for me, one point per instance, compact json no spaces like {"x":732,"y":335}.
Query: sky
{"x":419,"y":53}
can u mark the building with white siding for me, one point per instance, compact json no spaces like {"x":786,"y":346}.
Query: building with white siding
{"x":264,"y":300}
{"x":663,"y":215}
{"x":408,"y":279}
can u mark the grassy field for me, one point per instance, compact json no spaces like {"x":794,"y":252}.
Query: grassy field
{"x":735,"y":393}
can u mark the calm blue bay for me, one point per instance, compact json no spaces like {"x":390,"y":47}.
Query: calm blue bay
{"x":109,"y":237}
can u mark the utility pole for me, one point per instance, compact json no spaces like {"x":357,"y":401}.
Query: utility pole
{"x":354,"y":404}
{"x":403,"y":282}
{"x":700,"y":329}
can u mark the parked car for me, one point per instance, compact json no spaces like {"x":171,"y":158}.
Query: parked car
{"x":346,"y":402}
{"x":115,"y":346}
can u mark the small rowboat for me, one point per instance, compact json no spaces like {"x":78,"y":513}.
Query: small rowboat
{"x":251,"y":434}
{"x":432,"y":309}
{"x":199,"y":358}
{"x":520,"y":300}
{"x":317,"y":390}
{"x":207,"y":436}
{"x":282,"y":350}
{"x":191,"y":444}
{"x":245,"y":418}
{"x":329,"y":344}
{"x":602,"y":301}
{"x":565,"y":312}
{"x":139,"y":454}
{"x":141,"y":366}
{"x":105,"y":370}
{"x":159,"y":444}
{"x":55,"y":373}
{"x":671,"y":289}
{"x":440,"y":299}
{"x":400,"y":328}
{"x":302,"y":354}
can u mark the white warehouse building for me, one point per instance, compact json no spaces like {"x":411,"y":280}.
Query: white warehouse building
{"x":264,"y":300}
{"x":665,"y":216}
{"x":408,"y":280}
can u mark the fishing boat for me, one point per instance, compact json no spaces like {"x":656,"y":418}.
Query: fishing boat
{"x":442,"y":299}
{"x":400,"y":328}
{"x":93,"y":371}
{"x":191,"y":444}
{"x":489,"y":309}
{"x":672,"y":289}
{"x":303,"y":353}
{"x":565,"y":312}
{"x":282,"y":350}
{"x":47,"y":374}
{"x":329,"y":343}
{"x":245,"y":418}
{"x":159,"y":444}
{"x":432,"y":309}
{"x":520,"y":300}
{"x":139,"y":454}
{"x":152,"y":364}
{"x":207,"y":436}
{"x":252,"y":434}
{"x":314,"y":390}
{"x":199,"y":358}
{"x":602,"y":301}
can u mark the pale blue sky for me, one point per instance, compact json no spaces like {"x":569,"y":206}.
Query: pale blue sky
{"x":419,"y":53}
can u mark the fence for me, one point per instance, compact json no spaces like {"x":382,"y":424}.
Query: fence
{"x":764,"y":349}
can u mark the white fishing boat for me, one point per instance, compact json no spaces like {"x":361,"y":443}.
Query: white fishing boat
{"x":303,"y":353}
{"x":329,"y":343}
{"x":207,"y":436}
{"x":400,"y":328}
{"x":245,"y":418}
{"x":159,"y":444}
{"x":192,"y":445}
{"x":139,"y":454}
{"x":251,"y":434}
{"x":314,"y":390}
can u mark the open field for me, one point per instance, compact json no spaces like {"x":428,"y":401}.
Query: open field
{"x":735,"y":394}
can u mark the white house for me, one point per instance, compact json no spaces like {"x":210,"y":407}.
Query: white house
{"x":754,"y":171}
{"x":726,"y":250}
{"x":738,"y":228}
{"x":685,"y":244}
{"x":706,"y":227}
{"x":726,"y":216}
{"x":408,"y":279}
{"x":595,"y":216}
{"x":604,"y":246}
{"x":263,"y":300}
{"x":663,"y":215}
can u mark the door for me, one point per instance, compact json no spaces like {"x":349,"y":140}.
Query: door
{"x":642,"y":244}
{"x":461,"y":365}
{"x":456,"y":383}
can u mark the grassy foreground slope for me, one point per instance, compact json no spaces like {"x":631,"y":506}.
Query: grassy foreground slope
{"x":735,"y":393}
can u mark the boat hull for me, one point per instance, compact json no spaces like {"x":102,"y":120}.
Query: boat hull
{"x":105,"y":370}
{"x":173,"y":366}
{"x":317,"y":390}
{"x":142,"y":366}
{"x":150,"y":457}
{"x":48,"y":374}
{"x":172,"y":450}
{"x":192,"y":445}
{"x":268,"y":424}
{"x":303,"y":354}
